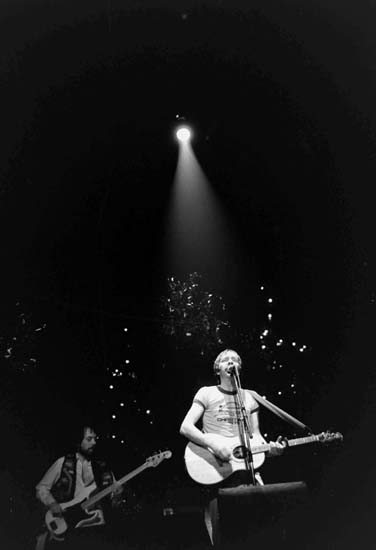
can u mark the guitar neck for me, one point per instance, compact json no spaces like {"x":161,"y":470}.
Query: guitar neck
{"x":290,"y":443}
{"x":303,"y":440}
{"x":108,"y":490}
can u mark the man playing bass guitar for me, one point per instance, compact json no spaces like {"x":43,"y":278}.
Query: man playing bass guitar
{"x":75,"y":474}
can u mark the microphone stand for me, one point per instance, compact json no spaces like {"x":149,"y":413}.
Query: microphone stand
{"x":244,"y":427}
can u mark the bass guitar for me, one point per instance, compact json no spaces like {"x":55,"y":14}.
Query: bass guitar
{"x":204,"y":467}
{"x":79,"y":512}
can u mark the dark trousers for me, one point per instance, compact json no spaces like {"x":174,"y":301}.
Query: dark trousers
{"x":87,"y":538}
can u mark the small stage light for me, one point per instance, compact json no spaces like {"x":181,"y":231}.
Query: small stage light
{"x":183,"y":134}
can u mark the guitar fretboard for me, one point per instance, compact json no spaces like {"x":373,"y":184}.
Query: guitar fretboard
{"x":303,"y":440}
{"x":108,"y":490}
{"x":291,"y":443}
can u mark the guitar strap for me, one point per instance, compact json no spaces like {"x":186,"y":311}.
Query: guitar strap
{"x":279,"y":412}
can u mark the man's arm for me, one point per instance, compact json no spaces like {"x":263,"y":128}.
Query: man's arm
{"x":117,"y":493}
{"x":43,"y":489}
{"x":276,"y":447}
{"x":213,"y":442}
{"x":188,"y":426}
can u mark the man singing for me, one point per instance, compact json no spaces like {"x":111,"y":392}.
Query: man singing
{"x":219,"y":410}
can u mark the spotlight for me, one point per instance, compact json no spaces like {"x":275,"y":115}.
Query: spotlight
{"x":183,"y":134}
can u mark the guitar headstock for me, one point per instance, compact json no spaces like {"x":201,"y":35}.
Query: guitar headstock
{"x":157,"y":458}
{"x":329,"y":437}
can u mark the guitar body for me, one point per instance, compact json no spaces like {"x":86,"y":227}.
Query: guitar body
{"x":74,"y":515}
{"x":205,"y":468}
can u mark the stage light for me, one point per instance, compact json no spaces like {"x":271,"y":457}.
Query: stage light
{"x":183,"y":134}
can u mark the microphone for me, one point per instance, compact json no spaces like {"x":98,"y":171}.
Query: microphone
{"x":233,"y":370}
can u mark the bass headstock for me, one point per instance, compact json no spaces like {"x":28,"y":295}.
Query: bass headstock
{"x":155,"y":459}
{"x":329,"y":437}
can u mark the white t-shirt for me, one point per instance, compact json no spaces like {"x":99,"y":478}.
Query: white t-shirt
{"x":222,"y":412}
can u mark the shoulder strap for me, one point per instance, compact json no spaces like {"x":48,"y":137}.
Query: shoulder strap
{"x":279,"y":412}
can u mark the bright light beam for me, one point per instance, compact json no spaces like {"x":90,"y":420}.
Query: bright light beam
{"x":195,"y":226}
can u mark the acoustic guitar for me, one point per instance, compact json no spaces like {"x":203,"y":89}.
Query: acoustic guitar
{"x":204,"y":467}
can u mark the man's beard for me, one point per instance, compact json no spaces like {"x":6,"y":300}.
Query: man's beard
{"x":87,"y":454}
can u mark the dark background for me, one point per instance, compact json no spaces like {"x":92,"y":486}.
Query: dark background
{"x":281,"y":98}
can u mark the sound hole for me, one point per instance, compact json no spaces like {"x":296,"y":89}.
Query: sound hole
{"x":240,"y":452}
